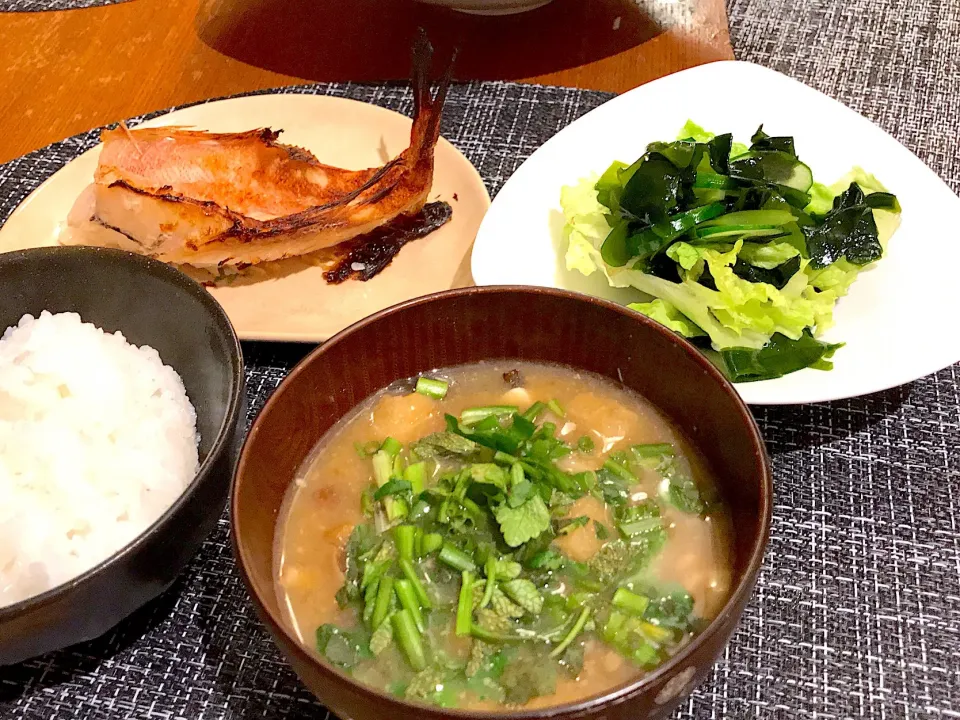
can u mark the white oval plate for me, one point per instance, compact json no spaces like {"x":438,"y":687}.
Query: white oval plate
{"x":301,"y":306}
{"x":899,"y":321}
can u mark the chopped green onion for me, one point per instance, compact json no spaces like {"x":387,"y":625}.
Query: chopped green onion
{"x":382,"y":467}
{"x":410,"y":572}
{"x":408,"y":637}
{"x":417,"y":542}
{"x":640,"y":527}
{"x":504,"y":458}
{"x":653,"y":450}
{"x":655,"y":634}
{"x":620,"y":471}
{"x":556,"y":408}
{"x":627,"y":600}
{"x":370,"y":601}
{"x":587,"y":480}
{"x":382,"y":605}
{"x":416,"y":475}
{"x":465,"y":605}
{"x":383,"y":470}
{"x":405,"y":537}
{"x":435,"y":389}
{"x":585,"y":444}
{"x":613,"y":626}
{"x":396,"y":508}
{"x":491,"y":571}
{"x":457,"y":558}
{"x":408,"y":601}
{"x":472,"y":507}
{"x":431,"y":543}
{"x":391,"y":446}
{"x":533,"y":412}
{"x":366,"y":502}
{"x":578,"y":600}
{"x":572,"y":635}
{"x":491,"y":637}
{"x":471,"y":416}
{"x":646,"y":656}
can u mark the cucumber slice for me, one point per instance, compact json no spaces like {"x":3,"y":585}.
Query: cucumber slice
{"x":754,"y":217}
{"x":752,"y":231}
{"x":774,"y":167}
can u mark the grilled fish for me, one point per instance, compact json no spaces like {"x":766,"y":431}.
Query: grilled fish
{"x":220,"y":200}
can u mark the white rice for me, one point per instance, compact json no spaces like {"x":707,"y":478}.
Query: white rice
{"x":97,"y":440}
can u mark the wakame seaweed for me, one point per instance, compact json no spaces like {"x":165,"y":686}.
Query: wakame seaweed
{"x":737,"y":244}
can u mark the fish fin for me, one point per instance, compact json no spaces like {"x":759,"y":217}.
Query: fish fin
{"x":427,"y":108}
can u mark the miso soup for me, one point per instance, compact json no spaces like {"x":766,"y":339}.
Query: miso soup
{"x":502,"y":535}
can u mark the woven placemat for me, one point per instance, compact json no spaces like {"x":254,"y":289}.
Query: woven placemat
{"x":896,"y":62}
{"x":856,"y":609}
{"x":42,"y":5}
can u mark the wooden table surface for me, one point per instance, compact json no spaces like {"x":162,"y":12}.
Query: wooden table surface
{"x":64,"y":72}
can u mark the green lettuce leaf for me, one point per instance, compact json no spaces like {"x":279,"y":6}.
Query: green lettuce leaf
{"x":586,"y":226}
{"x":767,"y":255}
{"x":667,"y":315}
{"x":692,"y":131}
{"x":744,"y":279}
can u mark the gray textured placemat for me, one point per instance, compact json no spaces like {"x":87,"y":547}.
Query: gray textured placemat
{"x":856,"y":611}
{"x":42,"y":5}
{"x":895,"y":61}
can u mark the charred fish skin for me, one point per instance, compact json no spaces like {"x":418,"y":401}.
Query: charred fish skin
{"x":214,"y":200}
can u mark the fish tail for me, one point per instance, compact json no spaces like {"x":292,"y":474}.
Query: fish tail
{"x":427,"y":108}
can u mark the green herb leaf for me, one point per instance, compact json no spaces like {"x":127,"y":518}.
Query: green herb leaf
{"x":344,"y":648}
{"x":382,"y":637}
{"x":680,"y":490}
{"x":612,"y":487}
{"x":493,"y":621}
{"x":508,"y":569}
{"x":572,"y":524}
{"x":489,"y":474}
{"x":670,"y":609}
{"x":547,"y":560}
{"x":603,"y":533}
{"x":523,"y":523}
{"x":641,"y":520}
{"x":525,"y":679}
{"x":504,"y":606}
{"x":525,"y":594}
{"x":480,"y":654}
{"x":424,"y":684}
{"x":445,"y":443}
{"x":391,"y":487}
{"x":363,"y":542}
{"x":519,"y":493}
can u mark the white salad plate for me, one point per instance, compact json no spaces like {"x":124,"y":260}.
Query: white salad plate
{"x":899,"y":320}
